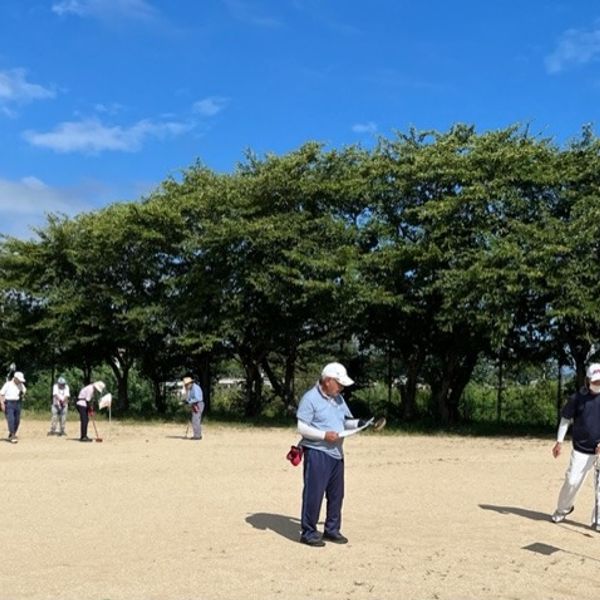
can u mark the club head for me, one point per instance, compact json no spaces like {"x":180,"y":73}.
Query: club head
{"x":98,"y":439}
{"x":379,"y":424}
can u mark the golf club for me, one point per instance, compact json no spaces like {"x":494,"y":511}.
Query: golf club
{"x":98,"y":438}
{"x":375,"y":424}
{"x":597,"y":494}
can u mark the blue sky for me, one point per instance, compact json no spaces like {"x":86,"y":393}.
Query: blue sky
{"x":101,"y":100}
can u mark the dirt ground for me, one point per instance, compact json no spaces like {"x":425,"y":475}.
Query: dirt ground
{"x":149,"y":515}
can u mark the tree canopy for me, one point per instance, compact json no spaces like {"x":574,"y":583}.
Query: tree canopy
{"x":433,"y":249}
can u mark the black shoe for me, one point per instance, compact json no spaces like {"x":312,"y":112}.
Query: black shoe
{"x":85,"y":439}
{"x":315,"y":542}
{"x":336,"y":538}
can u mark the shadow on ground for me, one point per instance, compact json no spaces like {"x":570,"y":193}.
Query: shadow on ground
{"x":287,"y":527}
{"x":534,"y":515}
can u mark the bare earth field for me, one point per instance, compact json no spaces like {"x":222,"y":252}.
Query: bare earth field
{"x":150,"y":515}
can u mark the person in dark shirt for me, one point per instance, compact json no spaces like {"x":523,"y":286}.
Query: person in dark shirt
{"x":582,"y":411}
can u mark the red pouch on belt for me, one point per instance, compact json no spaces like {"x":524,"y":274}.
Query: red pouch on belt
{"x":295,"y":455}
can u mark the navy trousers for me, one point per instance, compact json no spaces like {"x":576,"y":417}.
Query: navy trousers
{"x":323,"y":476}
{"x":84,"y":419}
{"x":13,"y":415}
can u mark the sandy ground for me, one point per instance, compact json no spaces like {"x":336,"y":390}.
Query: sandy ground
{"x":149,"y":515}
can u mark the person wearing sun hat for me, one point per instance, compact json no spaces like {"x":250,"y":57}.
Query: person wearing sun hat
{"x":85,"y":405}
{"x":582,"y":411}
{"x":195,"y":400}
{"x":11,"y":398}
{"x":322,"y":415}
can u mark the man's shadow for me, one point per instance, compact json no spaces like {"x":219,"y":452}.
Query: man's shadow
{"x":287,"y":527}
{"x":534,"y":515}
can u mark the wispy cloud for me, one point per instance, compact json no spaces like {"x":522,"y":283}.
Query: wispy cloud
{"x":91,"y":136}
{"x":319,"y":11}
{"x":369,"y":127}
{"x":211,"y":106}
{"x":575,"y":47}
{"x":25,"y":203}
{"x":16,"y":90}
{"x":138,"y":10}
{"x":246,"y":11}
{"x":394,"y":78}
{"x":108,"y":109}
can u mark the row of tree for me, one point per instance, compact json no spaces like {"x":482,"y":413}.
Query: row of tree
{"x":431,"y":250}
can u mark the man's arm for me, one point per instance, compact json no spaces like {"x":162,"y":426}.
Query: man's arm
{"x":312,"y":433}
{"x":560,"y":436}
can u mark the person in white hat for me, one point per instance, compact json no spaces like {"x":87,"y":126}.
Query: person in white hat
{"x":85,"y":405}
{"x":11,"y":398}
{"x":322,"y":415}
{"x":582,"y":411}
{"x":195,"y":400}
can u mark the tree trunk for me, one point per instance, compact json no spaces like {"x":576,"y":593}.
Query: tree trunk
{"x":205,"y":380}
{"x":253,"y":404}
{"x":120,"y":366}
{"x":580,"y":350}
{"x":447,"y":387}
{"x":408,"y":390}
{"x":559,"y":392}
{"x":500,"y":389}
{"x":160,"y":402}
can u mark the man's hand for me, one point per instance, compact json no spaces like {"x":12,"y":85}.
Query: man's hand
{"x":331,"y":437}
{"x":558,"y":447}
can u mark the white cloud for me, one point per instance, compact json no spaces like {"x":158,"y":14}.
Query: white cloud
{"x":139,"y":10}
{"x":15,"y":89}
{"x":92,"y":136}
{"x":576,"y":47}
{"x":209,"y":107}
{"x":246,"y":11}
{"x":109,"y":109}
{"x":368,"y":127}
{"x":24,"y":204}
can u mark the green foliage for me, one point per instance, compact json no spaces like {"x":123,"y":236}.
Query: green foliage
{"x":533,"y":404}
{"x":413,"y":263}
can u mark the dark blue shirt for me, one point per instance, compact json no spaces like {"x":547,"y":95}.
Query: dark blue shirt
{"x":583,"y":408}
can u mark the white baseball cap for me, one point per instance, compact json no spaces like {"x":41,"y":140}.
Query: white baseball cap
{"x":18,"y":375}
{"x":338,"y":372}
{"x":593,"y":372}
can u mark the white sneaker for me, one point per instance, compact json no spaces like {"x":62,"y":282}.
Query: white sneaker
{"x":559,"y":517}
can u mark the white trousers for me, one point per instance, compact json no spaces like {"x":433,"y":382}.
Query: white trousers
{"x":579,"y":466}
{"x":59,"y":418}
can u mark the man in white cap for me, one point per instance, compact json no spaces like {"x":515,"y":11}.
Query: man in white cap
{"x":60,"y":406}
{"x":195,"y":400}
{"x":11,"y":397}
{"x":322,"y":415}
{"x":85,"y":405}
{"x":583,"y":411}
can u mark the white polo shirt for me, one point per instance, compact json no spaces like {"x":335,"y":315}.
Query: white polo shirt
{"x":11,"y":391}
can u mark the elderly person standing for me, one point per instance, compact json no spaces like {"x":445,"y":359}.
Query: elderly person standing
{"x":11,"y":398}
{"x":195,"y":400}
{"x":85,"y":406}
{"x":322,"y":415}
{"x":60,"y":406}
{"x":582,"y":411}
